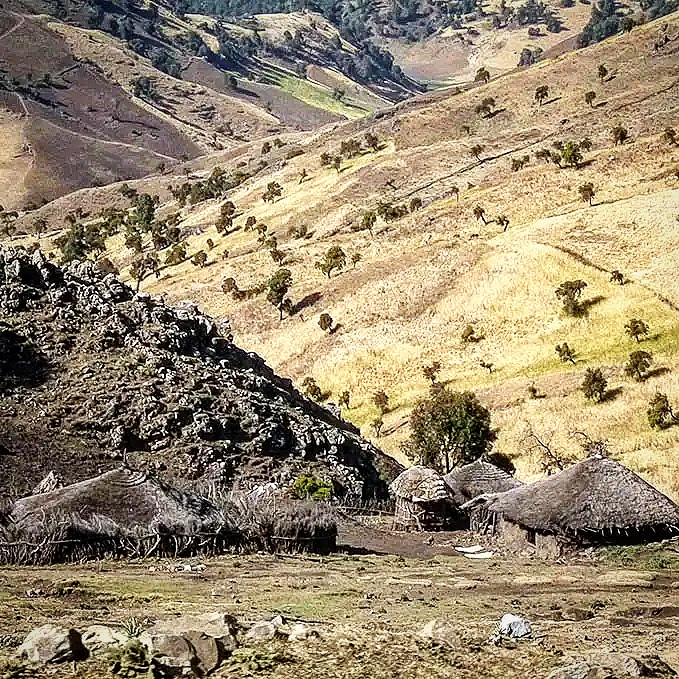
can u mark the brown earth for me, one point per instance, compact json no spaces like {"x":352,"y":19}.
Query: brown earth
{"x":368,"y":609}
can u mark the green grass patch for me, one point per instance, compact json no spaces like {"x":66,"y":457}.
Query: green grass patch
{"x":641,"y":557}
{"x":319,"y":97}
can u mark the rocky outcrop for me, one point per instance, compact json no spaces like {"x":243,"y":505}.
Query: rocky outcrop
{"x":91,"y":372}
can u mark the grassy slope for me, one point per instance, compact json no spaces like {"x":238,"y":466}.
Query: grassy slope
{"x":425,"y":277}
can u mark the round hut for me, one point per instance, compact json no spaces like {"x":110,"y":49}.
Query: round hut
{"x":596,"y":501}
{"x":121,"y":511}
{"x":477,"y":478}
{"x":423,"y":500}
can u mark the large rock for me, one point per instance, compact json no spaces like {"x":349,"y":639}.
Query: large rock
{"x":220,"y":626}
{"x":171,"y":650}
{"x":262,"y":631}
{"x":617,"y":665}
{"x":206,"y":650}
{"x":51,"y":644}
{"x":514,"y":626}
{"x":97,"y":637}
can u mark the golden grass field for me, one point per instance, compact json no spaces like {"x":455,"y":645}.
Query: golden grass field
{"x":423,"y":278}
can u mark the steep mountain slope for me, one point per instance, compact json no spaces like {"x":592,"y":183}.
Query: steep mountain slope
{"x":424,"y":277}
{"x":89,"y":373}
{"x":105,"y":93}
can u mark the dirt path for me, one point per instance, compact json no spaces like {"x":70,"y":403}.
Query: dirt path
{"x":22,"y":21}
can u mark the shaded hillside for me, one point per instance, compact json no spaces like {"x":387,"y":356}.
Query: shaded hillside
{"x":91,"y":373}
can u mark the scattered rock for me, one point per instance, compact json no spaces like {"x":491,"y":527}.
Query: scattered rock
{"x":466,"y":584}
{"x":514,"y":626}
{"x":616,"y":665}
{"x":261,"y":631}
{"x":299,"y":632}
{"x":440,"y":630}
{"x":173,"y":651}
{"x":96,"y":637}
{"x":51,"y":644}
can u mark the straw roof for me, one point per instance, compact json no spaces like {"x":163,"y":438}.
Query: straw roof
{"x":124,"y":498}
{"x":596,"y":496}
{"x":420,"y":484}
{"x":477,"y":478}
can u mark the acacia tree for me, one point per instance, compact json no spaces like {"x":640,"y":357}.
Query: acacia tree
{"x":636,"y":328}
{"x":569,"y":292}
{"x":325,"y":322}
{"x":480,"y":213}
{"x":449,"y":428}
{"x":541,"y":94}
{"x":617,"y":277}
{"x":602,"y":72}
{"x":482,"y":75}
{"x":476,"y":151}
{"x":670,"y":136}
{"x":278,"y":287}
{"x":659,"y":413}
{"x":638,"y":364}
{"x":273,"y":190}
{"x":590,"y":97}
{"x":485,"y":108}
{"x":502,"y":221}
{"x":586,"y":192}
{"x":594,"y":384}
{"x":334,"y":258}
{"x":566,"y":353}
{"x":381,"y":400}
{"x":431,"y":371}
{"x":619,"y":134}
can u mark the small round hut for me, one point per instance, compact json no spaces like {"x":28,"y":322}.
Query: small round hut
{"x":596,"y":501}
{"x":477,"y":478}
{"x":423,"y":500}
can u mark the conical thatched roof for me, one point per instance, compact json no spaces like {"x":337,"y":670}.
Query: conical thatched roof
{"x":477,"y":478}
{"x":420,"y":484}
{"x":124,"y":498}
{"x":595,"y":496}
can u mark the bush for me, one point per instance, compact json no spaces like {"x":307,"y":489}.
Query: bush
{"x":594,"y":384}
{"x":312,"y":488}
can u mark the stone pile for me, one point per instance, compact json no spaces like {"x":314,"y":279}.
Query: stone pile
{"x":191,"y":645}
{"x":91,"y":372}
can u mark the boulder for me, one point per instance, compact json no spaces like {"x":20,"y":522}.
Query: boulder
{"x":206,"y":650}
{"x":262,"y":631}
{"x":51,"y":644}
{"x":299,"y":632}
{"x":220,"y":626}
{"x":96,"y":637}
{"x":173,"y":651}
{"x":579,"y":670}
{"x":514,"y":626}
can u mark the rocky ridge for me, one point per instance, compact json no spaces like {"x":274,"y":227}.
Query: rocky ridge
{"x":92,"y":373}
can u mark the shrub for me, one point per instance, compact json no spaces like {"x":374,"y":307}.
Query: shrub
{"x":312,"y":488}
{"x":569,"y":293}
{"x":659,"y":413}
{"x":381,"y":400}
{"x":638,"y":364}
{"x":636,"y":329}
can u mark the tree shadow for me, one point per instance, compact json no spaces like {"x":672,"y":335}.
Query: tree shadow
{"x":612,"y":76}
{"x":335,"y":328}
{"x":551,"y":101}
{"x":306,"y":302}
{"x":657,"y":372}
{"x":587,"y":304}
{"x":611,"y":395}
{"x":497,"y":112}
{"x":600,"y":104}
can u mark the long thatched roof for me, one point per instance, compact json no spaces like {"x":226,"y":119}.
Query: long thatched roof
{"x":477,"y":478}
{"x":125,"y":498}
{"x":420,"y":484}
{"x":595,"y":496}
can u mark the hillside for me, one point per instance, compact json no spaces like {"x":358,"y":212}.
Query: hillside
{"x":424,"y":277}
{"x":92,"y":374}
{"x":94,"y":94}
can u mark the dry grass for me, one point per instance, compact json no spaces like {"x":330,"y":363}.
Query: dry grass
{"x":422,"y":279}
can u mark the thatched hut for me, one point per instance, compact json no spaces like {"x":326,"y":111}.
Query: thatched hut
{"x":478,"y":478}
{"x":128,"y":513}
{"x":423,"y":500}
{"x":596,"y":501}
